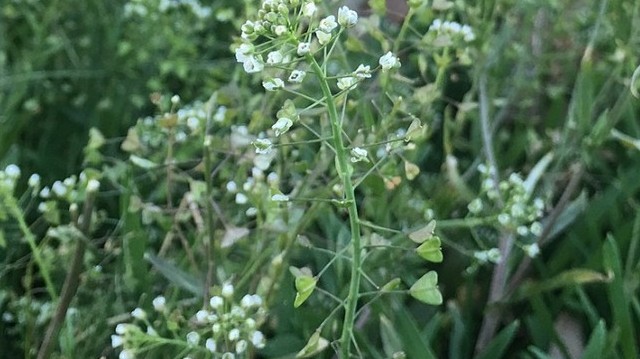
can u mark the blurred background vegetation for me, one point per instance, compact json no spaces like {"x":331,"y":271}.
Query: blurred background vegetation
{"x":553,"y":75}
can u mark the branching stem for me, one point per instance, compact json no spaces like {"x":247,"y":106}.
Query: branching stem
{"x":341,"y":159}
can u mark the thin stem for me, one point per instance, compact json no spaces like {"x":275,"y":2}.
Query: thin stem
{"x":71,"y":282}
{"x":44,"y":271}
{"x":352,"y":207}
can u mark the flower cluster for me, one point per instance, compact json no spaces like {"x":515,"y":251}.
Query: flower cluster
{"x":448,"y":31}
{"x":519,"y":213}
{"x":224,"y":327}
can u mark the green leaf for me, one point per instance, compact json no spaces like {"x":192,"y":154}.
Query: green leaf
{"x":431,"y":250}
{"x":175,"y":275}
{"x":576,"y":276}
{"x":3,"y":241}
{"x":391,"y":285}
{"x":426,"y":290}
{"x":619,"y":299}
{"x":315,"y":345}
{"x":305,"y":285}
{"x":597,"y":342}
{"x":411,"y":170}
{"x":499,"y":344}
{"x":423,"y":233}
{"x":414,"y":130}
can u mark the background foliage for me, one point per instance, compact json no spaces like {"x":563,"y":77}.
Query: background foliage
{"x":552,"y":76}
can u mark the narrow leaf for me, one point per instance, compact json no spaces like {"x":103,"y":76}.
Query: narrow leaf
{"x":175,"y":275}
{"x":596,"y":345}
{"x":500,"y":343}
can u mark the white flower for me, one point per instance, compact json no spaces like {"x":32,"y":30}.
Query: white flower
{"x":228,"y":356}
{"x":280,"y":30}
{"x":346,"y":83}
{"x":389,"y":61}
{"x":210,"y":344}
{"x":250,"y":323}
{"x":263,"y":145}
{"x":138,"y":313}
{"x":328,"y":24}
{"x":257,"y":339}
{"x":475,"y":206}
{"x":532,"y":250}
{"x":45,"y":192}
{"x":252,"y":65}
{"x":303,"y":48}
{"x":12,"y":171}
{"x":323,"y":37}
{"x":152,"y":332}
{"x":220,"y":113}
{"x":34,"y":180}
{"x":535,"y":228}
{"x":193,"y":338}
{"x":93,"y":185}
{"x":241,"y":198}
{"x":215,"y":328}
{"x":359,"y":154}
{"x":435,"y":26}
{"x":522,"y":230}
{"x":467,"y":33}
{"x":175,"y":99}
{"x":273,"y":84}
{"x":202,"y":316}
{"x":274,"y":57}
{"x":116,"y":341}
{"x":309,"y":9}
{"x":249,"y":301}
{"x":234,"y":334}
{"x":279,"y":197}
{"x":347,"y":17}
{"x":243,"y":51}
{"x":159,"y":303}
{"x":494,"y":255}
{"x":297,"y":76}
{"x":59,"y":189}
{"x":362,"y":72}
{"x":251,"y":212}
{"x":123,"y":328}
{"x":504,"y":219}
{"x":126,"y":354}
{"x":282,"y":126}
{"x":232,"y":187}
{"x":241,"y":346}
{"x":227,"y":290}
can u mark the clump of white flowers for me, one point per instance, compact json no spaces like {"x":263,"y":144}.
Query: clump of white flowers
{"x":519,"y":212}
{"x":283,"y":37}
{"x":448,"y":31}
{"x":225,"y":327}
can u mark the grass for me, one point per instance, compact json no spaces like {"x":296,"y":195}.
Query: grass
{"x":185,"y":204}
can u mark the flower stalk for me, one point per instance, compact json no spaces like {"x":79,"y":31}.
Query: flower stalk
{"x":342,"y":159}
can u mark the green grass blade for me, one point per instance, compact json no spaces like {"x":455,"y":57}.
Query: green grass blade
{"x":618,"y":299}
{"x":498,"y":346}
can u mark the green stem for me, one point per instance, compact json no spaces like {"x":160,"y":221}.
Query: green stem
{"x":44,"y":271}
{"x":354,"y":222}
{"x":212,"y":247}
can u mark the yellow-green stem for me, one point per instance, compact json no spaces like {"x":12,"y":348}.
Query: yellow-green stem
{"x":349,"y":197}
{"x":44,"y":271}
